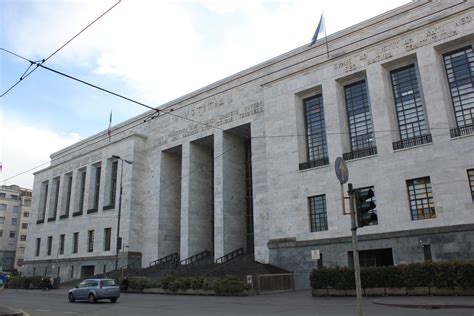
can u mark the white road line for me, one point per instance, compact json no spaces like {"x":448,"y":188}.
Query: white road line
{"x":70,"y":313}
{"x":42,"y":310}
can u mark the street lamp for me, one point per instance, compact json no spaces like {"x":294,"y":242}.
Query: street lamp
{"x":119,"y":208}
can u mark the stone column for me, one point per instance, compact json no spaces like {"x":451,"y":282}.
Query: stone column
{"x":219,"y":194}
{"x":185,"y":167}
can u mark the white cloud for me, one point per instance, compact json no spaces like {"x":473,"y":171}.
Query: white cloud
{"x":156,"y":48}
{"x":23,"y":147}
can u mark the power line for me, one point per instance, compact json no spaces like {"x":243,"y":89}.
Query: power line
{"x":153,"y":116}
{"x":26,"y":73}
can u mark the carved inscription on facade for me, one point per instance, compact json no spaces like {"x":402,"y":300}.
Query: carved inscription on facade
{"x":390,"y":49}
{"x":224,"y":118}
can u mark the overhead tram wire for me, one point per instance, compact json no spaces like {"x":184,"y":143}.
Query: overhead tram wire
{"x":26,"y":73}
{"x":151,"y":116}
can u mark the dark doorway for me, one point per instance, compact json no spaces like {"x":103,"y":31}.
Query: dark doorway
{"x":373,"y":257}
{"x":87,"y":271}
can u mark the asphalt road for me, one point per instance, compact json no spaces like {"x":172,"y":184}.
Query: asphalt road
{"x":55,"y":303}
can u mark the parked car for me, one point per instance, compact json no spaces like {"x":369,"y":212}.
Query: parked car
{"x":94,"y":290}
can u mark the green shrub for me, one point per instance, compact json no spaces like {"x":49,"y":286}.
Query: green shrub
{"x":197,"y":283}
{"x":230,"y":285}
{"x":184,"y":283}
{"x":165,"y":282}
{"x":174,"y":285}
{"x":435,"y":274}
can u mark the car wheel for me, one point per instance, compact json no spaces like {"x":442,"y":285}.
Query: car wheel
{"x":113,"y":300}
{"x":91,"y":298}
{"x":71,"y":298}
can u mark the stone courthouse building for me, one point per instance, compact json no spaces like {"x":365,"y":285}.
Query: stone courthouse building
{"x":248,"y":162}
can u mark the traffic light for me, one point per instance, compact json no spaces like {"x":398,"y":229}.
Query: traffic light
{"x":364,"y":207}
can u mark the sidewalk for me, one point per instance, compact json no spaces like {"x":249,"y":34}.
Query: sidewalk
{"x":428,"y":302}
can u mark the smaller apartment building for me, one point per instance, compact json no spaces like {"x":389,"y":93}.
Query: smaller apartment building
{"x":15,"y":204}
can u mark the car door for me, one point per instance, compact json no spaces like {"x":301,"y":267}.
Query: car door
{"x":80,"y":293}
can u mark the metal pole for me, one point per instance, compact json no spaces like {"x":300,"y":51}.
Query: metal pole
{"x":355,"y":252}
{"x":118,"y":218}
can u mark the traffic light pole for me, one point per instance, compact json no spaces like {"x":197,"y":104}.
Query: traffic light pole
{"x":355,"y":252}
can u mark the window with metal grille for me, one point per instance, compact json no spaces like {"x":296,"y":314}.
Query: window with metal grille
{"x":95,"y":189}
{"x":409,"y":106}
{"x":62,"y":237}
{"x":421,"y":198}
{"x":67,"y":204}
{"x":460,"y":71}
{"x":90,"y":241}
{"x":359,"y":118}
{"x":317,"y":213}
{"x":54,"y":207}
{"x":316,"y":142}
{"x":75,"y":243}
{"x":107,"y":238}
{"x":82,"y":189}
{"x":50,"y":245}
{"x":113,"y":187}
{"x":38,"y":247}
{"x":470,"y":176}
{"x":44,"y":201}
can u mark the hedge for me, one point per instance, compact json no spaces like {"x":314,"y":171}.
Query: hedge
{"x":20,"y":282}
{"x":229,"y":285}
{"x":448,"y":274}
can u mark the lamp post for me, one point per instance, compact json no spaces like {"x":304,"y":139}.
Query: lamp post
{"x":119,"y":208}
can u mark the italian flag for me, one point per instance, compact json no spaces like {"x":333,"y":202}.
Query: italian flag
{"x":109,"y":131}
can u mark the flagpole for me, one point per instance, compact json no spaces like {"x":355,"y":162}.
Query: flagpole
{"x":326,"y":33}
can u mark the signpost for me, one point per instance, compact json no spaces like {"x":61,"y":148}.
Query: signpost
{"x":342,"y":174}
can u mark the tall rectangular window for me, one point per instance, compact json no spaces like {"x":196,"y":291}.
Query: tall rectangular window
{"x":54,"y":208}
{"x":316,"y":142}
{"x":90,"y":241}
{"x":470,"y":177}
{"x":421,"y":198}
{"x":82,"y":190}
{"x":62,"y":238}
{"x":67,"y":196}
{"x":409,"y":106}
{"x":3,"y":207}
{"x":75,"y":242}
{"x":38,"y":247}
{"x":95,"y":189}
{"x":460,"y":71}
{"x":317,"y":213}
{"x":2,"y":220}
{"x":43,"y":201}
{"x":359,"y":117}
{"x":113,"y":183}
{"x":16,"y":209}
{"x":107,"y":238}
{"x":50,"y":245}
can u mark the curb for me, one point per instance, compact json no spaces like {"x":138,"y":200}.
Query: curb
{"x":425,"y":306}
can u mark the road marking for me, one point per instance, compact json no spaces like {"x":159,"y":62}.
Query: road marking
{"x":70,"y":313}
{"x":42,"y":310}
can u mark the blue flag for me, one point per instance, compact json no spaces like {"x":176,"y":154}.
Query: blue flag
{"x":319,"y":30}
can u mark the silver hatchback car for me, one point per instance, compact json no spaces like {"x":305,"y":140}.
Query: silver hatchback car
{"x":94,"y":290}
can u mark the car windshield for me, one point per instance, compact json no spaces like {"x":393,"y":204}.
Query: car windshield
{"x":108,"y":283}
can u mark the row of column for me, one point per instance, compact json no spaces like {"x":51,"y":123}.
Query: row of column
{"x":202,"y":200}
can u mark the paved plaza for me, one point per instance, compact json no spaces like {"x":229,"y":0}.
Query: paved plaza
{"x":55,"y":303}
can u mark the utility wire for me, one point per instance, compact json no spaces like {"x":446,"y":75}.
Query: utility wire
{"x":26,"y":74}
{"x":153,"y":116}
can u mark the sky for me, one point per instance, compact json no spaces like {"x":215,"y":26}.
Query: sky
{"x":151,"y":51}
